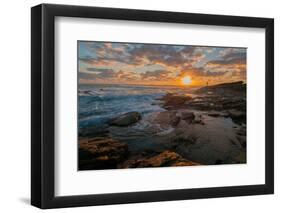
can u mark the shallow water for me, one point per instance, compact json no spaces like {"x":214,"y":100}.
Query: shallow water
{"x":215,"y":140}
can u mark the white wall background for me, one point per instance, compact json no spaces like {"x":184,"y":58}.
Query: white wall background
{"x":15,"y":105}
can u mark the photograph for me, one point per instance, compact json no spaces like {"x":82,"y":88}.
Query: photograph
{"x":146,"y":105}
{"x":140,"y":105}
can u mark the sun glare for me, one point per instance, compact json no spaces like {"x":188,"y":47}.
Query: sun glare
{"x":186,"y":80}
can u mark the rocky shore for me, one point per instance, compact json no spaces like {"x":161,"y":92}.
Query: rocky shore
{"x":207,"y":127}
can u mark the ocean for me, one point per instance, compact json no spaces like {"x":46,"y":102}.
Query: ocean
{"x":99,"y":103}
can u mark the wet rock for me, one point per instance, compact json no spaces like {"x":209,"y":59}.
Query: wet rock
{"x":241,"y":135}
{"x":241,"y":131}
{"x":198,"y":119}
{"x":156,"y":102}
{"x":223,"y":97}
{"x":214,"y":114}
{"x":166,"y":158}
{"x":241,"y":158}
{"x":187,"y":116}
{"x":126,"y":119}
{"x":237,"y":116}
{"x":218,"y":114}
{"x":242,"y":140}
{"x":172,"y":101}
{"x":204,"y":105}
{"x":101,"y":153}
{"x":238,"y":103}
{"x":174,"y":121}
{"x":86,"y":92}
{"x":167,"y":118}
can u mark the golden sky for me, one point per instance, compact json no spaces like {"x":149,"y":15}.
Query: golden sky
{"x":159,"y":64}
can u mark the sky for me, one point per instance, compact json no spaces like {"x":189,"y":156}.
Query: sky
{"x":159,"y":64}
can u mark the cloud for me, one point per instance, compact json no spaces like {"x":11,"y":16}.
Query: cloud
{"x":233,"y":62}
{"x":230,"y":56}
{"x":164,"y":54}
{"x":157,"y":74}
{"x":104,"y":74}
{"x":201,"y":72}
{"x":133,"y":63}
{"x":101,"y":72}
{"x":125,"y":75}
{"x":141,"y":54}
{"x":105,"y":53}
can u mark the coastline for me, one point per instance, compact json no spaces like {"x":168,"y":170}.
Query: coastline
{"x":207,"y":127}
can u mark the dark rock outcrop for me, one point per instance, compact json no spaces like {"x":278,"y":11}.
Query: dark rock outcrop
{"x":222,"y":89}
{"x":101,"y":153}
{"x":187,"y":116}
{"x":125,"y":119}
{"x":172,"y":101}
{"x":169,"y":118}
{"x":237,"y":116}
{"x":218,"y":103}
{"x":164,"y":159}
{"x":221,"y":97}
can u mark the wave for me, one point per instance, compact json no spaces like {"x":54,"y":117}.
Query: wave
{"x":99,"y":103}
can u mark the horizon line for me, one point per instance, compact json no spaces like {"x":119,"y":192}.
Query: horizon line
{"x":167,"y":85}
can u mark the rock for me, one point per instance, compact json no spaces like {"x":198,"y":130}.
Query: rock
{"x":220,"y":97}
{"x":241,"y":135}
{"x":199,"y":121}
{"x":233,"y":87}
{"x":241,"y":158}
{"x":203,"y":105}
{"x":175,"y":101}
{"x":214,"y":114}
{"x":167,"y":118}
{"x":191,"y":117}
{"x":164,"y":159}
{"x":187,"y":116}
{"x":241,"y":131}
{"x":237,"y":116}
{"x":218,"y":114}
{"x":101,"y":153}
{"x":174,"y":121}
{"x":234,"y":103}
{"x":242,"y":140}
{"x":185,"y":163}
{"x":126,"y":119}
{"x":165,"y":97}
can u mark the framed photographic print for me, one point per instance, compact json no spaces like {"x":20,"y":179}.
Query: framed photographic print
{"x":139,"y":106}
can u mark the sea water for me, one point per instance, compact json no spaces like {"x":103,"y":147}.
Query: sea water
{"x":99,"y":103}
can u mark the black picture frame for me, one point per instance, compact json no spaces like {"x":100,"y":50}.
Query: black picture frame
{"x":43,"y":102}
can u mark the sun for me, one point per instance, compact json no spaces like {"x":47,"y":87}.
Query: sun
{"x":186,"y":80}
